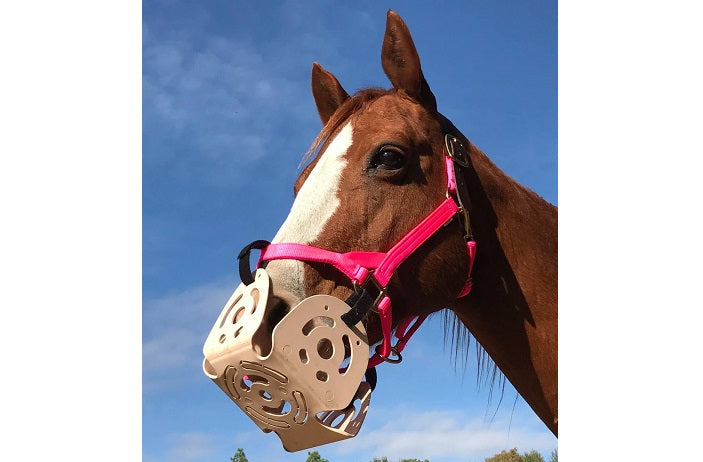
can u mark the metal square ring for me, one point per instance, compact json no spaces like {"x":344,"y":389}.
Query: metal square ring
{"x":456,"y":150}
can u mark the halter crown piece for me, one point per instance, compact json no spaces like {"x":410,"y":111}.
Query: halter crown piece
{"x":304,"y":379}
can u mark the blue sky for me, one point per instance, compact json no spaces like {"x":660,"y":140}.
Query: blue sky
{"x":227,"y":116}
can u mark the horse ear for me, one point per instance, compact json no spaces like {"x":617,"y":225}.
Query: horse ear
{"x":401,"y":62}
{"x":327,"y":91}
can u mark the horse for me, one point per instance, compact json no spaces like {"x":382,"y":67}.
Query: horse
{"x":376,"y":170}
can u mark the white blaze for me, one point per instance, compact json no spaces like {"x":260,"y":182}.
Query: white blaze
{"x":316,"y":202}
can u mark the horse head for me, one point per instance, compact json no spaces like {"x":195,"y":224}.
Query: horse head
{"x":379,"y":169}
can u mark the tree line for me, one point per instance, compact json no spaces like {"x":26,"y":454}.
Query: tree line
{"x":503,"y":456}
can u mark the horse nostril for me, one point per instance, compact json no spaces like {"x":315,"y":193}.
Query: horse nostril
{"x":277,"y":309}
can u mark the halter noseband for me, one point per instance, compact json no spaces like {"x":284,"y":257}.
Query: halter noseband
{"x":367,"y":270}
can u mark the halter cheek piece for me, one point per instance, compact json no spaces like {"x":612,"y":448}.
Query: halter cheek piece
{"x":303,"y":378}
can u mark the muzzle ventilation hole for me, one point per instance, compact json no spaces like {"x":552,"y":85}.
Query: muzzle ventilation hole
{"x":226,"y":315}
{"x":347,"y":355}
{"x":325,"y":348}
{"x":286,"y":408}
{"x":337,"y":421}
{"x":317,"y":321}
{"x":255,"y":295}
{"x":249,"y":380}
{"x":238,"y":315}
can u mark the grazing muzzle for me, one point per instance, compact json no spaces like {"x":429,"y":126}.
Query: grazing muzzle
{"x":301,"y":380}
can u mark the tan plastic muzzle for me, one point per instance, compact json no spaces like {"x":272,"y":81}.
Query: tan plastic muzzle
{"x":301,"y":381}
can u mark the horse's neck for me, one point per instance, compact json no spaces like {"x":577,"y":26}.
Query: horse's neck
{"x":512,"y":309}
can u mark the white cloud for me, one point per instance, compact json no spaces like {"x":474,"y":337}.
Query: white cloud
{"x":175,"y":327}
{"x":168,"y":349}
{"x":445,"y":435}
{"x":217,"y":105}
{"x":190,"y":446}
{"x":184,"y":307}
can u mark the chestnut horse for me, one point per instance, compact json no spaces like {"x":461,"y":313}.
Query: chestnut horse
{"x":378,"y":170}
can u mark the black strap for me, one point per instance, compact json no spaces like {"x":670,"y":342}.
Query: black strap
{"x":371,"y":377}
{"x":462,"y":190}
{"x":245,"y":273}
{"x":460,"y":171}
{"x":360,"y":302}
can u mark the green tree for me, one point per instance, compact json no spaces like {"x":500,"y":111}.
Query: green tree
{"x":532,"y":456}
{"x":554,"y":456}
{"x":514,"y":456}
{"x":413,"y":460}
{"x":505,"y":456}
{"x":315,"y":457}
{"x":239,"y":456}
{"x":380,"y":459}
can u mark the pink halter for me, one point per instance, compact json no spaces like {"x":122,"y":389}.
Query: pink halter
{"x":364,"y":268}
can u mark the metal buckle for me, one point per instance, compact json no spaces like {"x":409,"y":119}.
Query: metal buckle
{"x":381,"y":290}
{"x":456,"y":150}
{"x":464,"y":218}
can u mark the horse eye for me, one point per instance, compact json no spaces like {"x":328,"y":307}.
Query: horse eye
{"x":389,"y":159}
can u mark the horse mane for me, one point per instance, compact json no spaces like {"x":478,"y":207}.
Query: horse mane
{"x":458,"y":337}
{"x":456,"y":334}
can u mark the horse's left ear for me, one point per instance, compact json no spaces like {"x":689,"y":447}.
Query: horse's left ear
{"x":401,"y":62}
{"x":327,"y":91}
